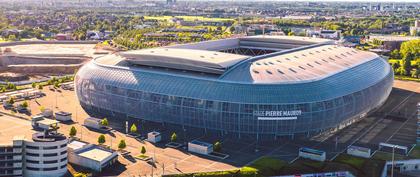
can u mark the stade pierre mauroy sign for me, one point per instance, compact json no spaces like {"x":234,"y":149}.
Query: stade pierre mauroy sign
{"x":277,"y":115}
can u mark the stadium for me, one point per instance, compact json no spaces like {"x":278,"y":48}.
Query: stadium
{"x":268,"y":86}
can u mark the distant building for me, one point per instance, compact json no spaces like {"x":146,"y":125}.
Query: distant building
{"x":62,"y":37}
{"x":44,"y":155}
{"x":391,"y":42}
{"x":415,"y":30}
{"x":170,"y":2}
{"x":328,"y":34}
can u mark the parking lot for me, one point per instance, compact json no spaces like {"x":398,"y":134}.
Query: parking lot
{"x":393,"y":123}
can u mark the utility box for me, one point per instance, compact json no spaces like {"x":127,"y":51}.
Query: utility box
{"x":92,"y":122}
{"x":48,"y":113}
{"x":200,"y":147}
{"x":154,"y":137}
{"x":63,"y":116}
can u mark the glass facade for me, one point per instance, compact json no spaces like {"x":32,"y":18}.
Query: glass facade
{"x":217,"y":104}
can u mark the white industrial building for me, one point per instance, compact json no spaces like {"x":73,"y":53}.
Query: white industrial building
{"x":200,"y":147}
{"x":91,"y":156}
{"x":63,"y":116}
{"x":92,"y":122}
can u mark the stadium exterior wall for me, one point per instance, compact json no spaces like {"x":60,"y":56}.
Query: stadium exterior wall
{"x":243,"y":108}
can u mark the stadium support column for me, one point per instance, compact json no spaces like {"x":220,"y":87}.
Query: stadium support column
{"x":239,"y":122}
{"x":258,"y":131}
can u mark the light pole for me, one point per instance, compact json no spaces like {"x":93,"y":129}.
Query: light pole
{"x":392,"y":165}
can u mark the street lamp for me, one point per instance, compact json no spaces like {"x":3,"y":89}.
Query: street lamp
{"x":392,"y":163}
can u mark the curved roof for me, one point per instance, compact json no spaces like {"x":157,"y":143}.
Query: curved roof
{"x":342,"y":83}
{"x":300,"y":66}
{"x":196,"y":60}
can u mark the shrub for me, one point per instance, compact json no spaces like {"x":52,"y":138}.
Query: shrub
{"x":101,"y":139}
{"x":122,"y":145}
{"x":25,"y":104}
{"x":73,"y":131}
{"x":133,"y":128}
{"x":217,"y":146}
{"x":104,"y":122}
{"x":173,"y":137}
{"x":143,"y":150}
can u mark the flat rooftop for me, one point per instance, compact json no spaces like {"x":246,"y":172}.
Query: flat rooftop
{"x":74,"y":145}
{"x":95,"y":153}
{"x":48,"y":122}
{"x":11,"y":127}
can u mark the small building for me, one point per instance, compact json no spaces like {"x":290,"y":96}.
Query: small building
{"x":401,"y":167}
{"x":359,"y":151}
{"x":92,"y":122}
{"x":200,"y":147}
{"x":63,"y":116}
{"x":48,"y":113}
{"x":62,"y":37}
{"x":312,"y":154}
{"x":154,"y":137}
{"x":91,"y":156}
{"x":45,"y":124}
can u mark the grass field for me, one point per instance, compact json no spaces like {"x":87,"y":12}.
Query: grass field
{"x":186,"y":18}
{"x":386,"y":156}
{"x":269,"y":166}
{"x":415,"y":153}
{"x":356,"y":162}
{"x":406,"y":78}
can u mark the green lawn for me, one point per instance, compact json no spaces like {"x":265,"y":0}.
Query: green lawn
{"x":406,"y":78}
{"x":415,"y":153}
{"x":356,"y":162}
{"x":268,"y":166}
{"x":386,"y":156}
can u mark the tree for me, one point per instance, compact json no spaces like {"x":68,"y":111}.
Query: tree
{"x":395,"y":54}
{"x":33,"y":85}
{"x":133,"y":128}
{"x":232,"y":29}
{"x":407,"y":63}
{"x":143,"y":150}
{"x":101,"y":139}
{"x":56,"y":84}
{"x":12,"y":37}
{"x":80,"y":175}
{"x":217,"y":146}
{"x":40,"y":87}
{"x":104,"y":122}
{"x":416,"y":73}
{"x":291,"y":33}
{"x":42,"y":108}
{"x":73,"y":131}
{"x":11,"y":100}
{"x":122,"y":145}
{"x":25,"y":104}
{"x":173,"y":137}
